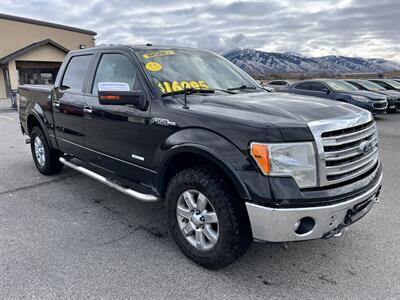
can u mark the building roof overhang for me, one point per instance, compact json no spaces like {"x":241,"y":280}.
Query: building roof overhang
{"x":26,"y":49}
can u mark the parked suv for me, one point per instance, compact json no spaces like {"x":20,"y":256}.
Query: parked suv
{"x":341,"y":91}
{"x":232,"y":161}
{"x":393,"y":97}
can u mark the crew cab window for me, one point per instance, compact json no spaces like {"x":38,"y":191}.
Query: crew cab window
{"x":74,"y":76}
{"x":304,"y":86}
{"x":318,"y":86}
{"x":114,"y":68}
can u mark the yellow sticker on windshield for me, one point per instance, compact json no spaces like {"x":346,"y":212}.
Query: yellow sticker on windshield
{"x":153,"y":66}
{"x":158,"y":53}
{"x":175,"y":86}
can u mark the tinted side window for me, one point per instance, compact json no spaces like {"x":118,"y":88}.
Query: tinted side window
{"x":357,"y":85}
{"x":318,"y":86}
{"x":114,"y":68}
{"x":383,"y":84}
{"x":75,"y":73}
{"x":304,"y":86}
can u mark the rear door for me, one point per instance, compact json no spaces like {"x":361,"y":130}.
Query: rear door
{"x":117,"y":134}
{"x":68,"y":105}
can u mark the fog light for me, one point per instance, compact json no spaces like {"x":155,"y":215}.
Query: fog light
{"x":304,"y":225}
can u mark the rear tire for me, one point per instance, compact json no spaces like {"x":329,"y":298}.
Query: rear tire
{"x":46,"y":158}
{"x":216,"y":225}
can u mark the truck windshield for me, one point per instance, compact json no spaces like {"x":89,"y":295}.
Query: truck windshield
{"x":172,"y":70}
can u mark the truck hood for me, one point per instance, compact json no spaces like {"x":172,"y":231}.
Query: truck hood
{"x":273,"y":108}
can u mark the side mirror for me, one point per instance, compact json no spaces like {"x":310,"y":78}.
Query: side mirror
{"x":325,"y":90}
{"x":119,"y":93}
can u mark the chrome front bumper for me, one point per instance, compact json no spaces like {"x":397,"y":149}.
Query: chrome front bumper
{"x":278,"y":224}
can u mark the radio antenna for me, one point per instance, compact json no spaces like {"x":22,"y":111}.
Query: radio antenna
{"x":185,"y":96}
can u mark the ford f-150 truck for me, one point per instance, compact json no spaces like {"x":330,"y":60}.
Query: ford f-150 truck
{"x":233,"y":162}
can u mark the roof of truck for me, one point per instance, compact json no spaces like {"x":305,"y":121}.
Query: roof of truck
{"x":141,"y":47}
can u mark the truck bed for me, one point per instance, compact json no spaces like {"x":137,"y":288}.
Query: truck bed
{"x":37,"y":87}
{"x":34,"y":95}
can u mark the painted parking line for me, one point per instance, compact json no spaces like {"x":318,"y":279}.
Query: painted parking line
{"x":7,"y":118}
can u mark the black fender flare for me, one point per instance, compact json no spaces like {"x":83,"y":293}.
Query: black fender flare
{"x":37,"y":113}
{"x":186,"y":141}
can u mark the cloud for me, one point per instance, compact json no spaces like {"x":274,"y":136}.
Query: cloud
{"x":312,"y":27}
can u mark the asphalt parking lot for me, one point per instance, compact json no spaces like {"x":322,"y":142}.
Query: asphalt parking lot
{"x":67,"y":236}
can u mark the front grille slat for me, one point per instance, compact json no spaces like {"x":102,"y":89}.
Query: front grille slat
{"x":346,"y":153}
{"x":354,"y":165}
{"x":349,"y":152}
{"x":349,"y":138}
{"x":339,"y":178}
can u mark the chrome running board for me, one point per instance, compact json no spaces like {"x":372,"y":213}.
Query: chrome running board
{"x":102,"y":179}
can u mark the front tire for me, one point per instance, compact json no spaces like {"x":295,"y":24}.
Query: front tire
{"x":206,"y":218}
{"x":46,"y":158}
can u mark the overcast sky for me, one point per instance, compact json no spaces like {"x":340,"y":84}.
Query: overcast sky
{"x":367,"y":28}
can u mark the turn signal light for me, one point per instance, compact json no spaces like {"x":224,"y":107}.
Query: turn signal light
{"x":260,"y":153}
{"x":109,"y":97}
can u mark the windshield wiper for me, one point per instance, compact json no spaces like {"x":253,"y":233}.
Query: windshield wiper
{"x":243,"y":87}
{"x":225,"y":91}
{"x":189,"y":91}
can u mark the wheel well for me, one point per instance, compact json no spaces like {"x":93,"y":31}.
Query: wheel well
{"x":32,"y":122}
{"x":186,"y":160}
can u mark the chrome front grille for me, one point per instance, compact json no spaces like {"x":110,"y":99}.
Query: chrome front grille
{"x":348,"y":147}
{"x":350,"y":153}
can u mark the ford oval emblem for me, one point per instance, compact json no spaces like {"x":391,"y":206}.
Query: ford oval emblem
{"x":365,"y":147}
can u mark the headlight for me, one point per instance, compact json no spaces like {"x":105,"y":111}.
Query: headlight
{"x":287,"y":159}
{"x":360,"y":98}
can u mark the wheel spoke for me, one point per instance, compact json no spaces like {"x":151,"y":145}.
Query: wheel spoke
{"x":184,"y":213}
{"x":208,"y":232}
{"x":200,"y":240}
{"x":188,"y":229}
{"x":210,"y":218}
{"x":189,"y":200}
{"x":201,"y":202}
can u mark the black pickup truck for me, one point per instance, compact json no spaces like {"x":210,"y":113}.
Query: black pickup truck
{"x":233,"y":162}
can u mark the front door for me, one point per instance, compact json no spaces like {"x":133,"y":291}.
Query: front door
{"x":68,"y":105}
{"x":117,"y":134}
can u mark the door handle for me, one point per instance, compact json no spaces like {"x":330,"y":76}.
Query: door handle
{"x":87,"y":110}
{"x":56,"y":104}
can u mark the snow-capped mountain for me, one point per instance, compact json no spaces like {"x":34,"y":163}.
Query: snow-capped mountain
{"x":262,"y":63}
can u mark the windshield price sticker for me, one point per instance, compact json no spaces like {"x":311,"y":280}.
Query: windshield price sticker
{"x":158,"y":54}
{"x":175,"y":86}
{"x":153,"y":66}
